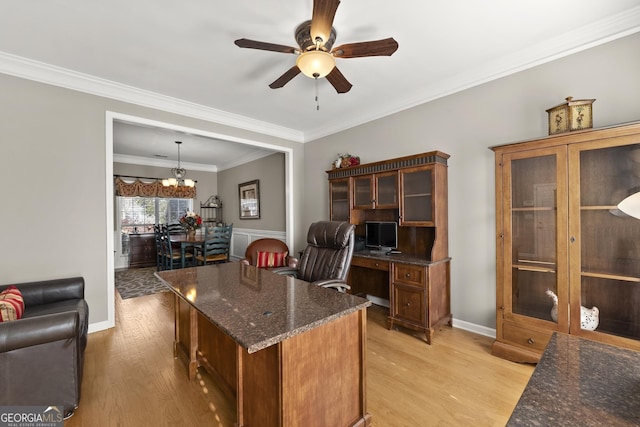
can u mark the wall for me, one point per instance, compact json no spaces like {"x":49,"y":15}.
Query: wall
{"x":270,"y":171}
{"x":464,"y":125}
{"x":54,"y":168}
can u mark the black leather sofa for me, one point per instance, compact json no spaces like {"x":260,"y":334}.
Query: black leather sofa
{"x":42,"y":354}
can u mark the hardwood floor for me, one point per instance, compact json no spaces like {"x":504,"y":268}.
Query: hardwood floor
{"x":132,"y":379}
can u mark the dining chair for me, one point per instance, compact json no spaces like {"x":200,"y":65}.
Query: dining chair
{"x":157,"y":236}
{"x":215,"y":248}
{"x":172,"y":256}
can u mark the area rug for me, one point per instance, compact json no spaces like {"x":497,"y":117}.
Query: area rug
{"x":137,"y":282}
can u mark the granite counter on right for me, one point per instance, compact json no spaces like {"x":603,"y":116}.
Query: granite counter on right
{"x":579,"y":382}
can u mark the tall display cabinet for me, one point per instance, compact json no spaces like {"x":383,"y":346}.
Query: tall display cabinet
{"x":559,"y":229}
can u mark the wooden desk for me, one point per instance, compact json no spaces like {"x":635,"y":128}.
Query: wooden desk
{"x":290,"y":353}
{"x":418,"y":290}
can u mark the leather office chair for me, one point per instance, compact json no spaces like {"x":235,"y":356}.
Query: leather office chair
{"x":276,"y":246}
{"x":215,"y":248}
{"x":326,"y":260}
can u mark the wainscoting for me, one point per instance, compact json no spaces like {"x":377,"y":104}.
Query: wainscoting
{"x":242,"y":237}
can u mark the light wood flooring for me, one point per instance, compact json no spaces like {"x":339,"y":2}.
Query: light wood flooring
{"x":132,"y":379}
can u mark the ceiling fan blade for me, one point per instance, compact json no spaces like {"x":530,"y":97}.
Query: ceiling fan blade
{"x":385,"y":47}
{"x":322,"y":19}
{"x":338,"y":81}
{"x":254,"y":44}
{"x":285,"y":78}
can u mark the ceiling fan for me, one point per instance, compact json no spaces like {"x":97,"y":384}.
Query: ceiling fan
{"x":316,"y":58}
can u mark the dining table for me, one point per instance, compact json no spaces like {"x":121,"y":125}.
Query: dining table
{"x":185,"y":241}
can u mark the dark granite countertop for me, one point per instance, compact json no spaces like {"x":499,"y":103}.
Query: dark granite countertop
{"x":255,"y":307}
{"x":579,"y":382}
{"x":403,"y":258}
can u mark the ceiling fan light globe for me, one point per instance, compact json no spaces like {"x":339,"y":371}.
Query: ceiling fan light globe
{"x":316,"y":62}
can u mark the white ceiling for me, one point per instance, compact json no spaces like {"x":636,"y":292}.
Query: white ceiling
{"x":181,"y":56}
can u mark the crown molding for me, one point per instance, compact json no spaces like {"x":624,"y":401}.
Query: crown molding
{"x":594,"y":34}
{"x":615,"y":27}
{"x":162,"y":163}
{"x":57,"y":76}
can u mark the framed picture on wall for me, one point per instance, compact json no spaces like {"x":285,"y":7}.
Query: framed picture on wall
{"x":249,"y":199}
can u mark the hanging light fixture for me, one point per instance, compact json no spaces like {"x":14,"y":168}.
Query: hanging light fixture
{"x":178,"y":175}
{"x":316,"y":63}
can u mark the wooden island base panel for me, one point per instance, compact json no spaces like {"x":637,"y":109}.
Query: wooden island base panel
{"x":289,"y":353}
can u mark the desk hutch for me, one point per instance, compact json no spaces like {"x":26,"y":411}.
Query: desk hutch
{"x":411,"y":191}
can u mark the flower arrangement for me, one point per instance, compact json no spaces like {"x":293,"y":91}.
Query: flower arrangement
{"x":346,"y":160}
{"x":191,"y":221}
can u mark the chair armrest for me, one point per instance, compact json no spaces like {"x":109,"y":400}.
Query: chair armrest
{"x":338,"y":285}
{"x":48,"y":291}
{"x":285,"y":271}
{"x":38,"y":330}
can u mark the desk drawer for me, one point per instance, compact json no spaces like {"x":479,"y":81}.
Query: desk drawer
{"x":529,"y":338}
{"x":370,"y":263}
{"x":409,"y":274}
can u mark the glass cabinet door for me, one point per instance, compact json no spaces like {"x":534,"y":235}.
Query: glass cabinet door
{"x":363,"y":192}
{"x":416,"y":206}
{"x":534,"y":209}
{"x":339,"y":203}
{"x":386,"y":190}
{"x":605,"y":253}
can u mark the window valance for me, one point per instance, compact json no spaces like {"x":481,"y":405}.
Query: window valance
{"x":137,"y":187}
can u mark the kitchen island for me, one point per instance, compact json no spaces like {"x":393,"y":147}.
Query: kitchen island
{"x":290,"y":353}
{"x":579,"y":382}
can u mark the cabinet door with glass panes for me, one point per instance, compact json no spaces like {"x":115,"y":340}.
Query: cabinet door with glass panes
{"x":339,"y":199}
{"x":417,"y":198}
{"x":376,"y":191}
{"x":532,"y":261}
{"x":605,"y":242}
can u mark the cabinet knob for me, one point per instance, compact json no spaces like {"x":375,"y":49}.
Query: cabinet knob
{"x":377,"y":265}
{"x":408,"y":275}
{"x":531,"y":340}
{"x":408,"y":304}
{"x":572,"y":239}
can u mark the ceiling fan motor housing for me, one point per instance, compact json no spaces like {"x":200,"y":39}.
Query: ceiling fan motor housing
{"x":303,"y":38}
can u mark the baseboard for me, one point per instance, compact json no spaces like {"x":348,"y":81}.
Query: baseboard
{"x":100,"y":326}
{"x":472,"y":327}
{"x":378,"y":301}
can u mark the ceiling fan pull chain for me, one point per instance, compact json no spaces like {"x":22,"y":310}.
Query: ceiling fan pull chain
{"x":317,"y":96}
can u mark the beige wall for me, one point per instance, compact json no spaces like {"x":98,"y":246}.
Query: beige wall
{"x":464,"y":125}
{"x":53,"y":165}
{"x":270,"y":171}
{"x":54,"y":168}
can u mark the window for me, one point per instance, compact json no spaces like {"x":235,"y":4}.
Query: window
{"x":140,"y":214}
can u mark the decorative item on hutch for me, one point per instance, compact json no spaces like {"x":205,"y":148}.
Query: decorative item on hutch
{"x":345,"y":161}
{"x":571,"y":115}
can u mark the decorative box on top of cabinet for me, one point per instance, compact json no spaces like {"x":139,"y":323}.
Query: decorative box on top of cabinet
{"x":559,"y":229}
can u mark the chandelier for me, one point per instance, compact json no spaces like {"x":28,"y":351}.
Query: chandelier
{"x":178,"y":175}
